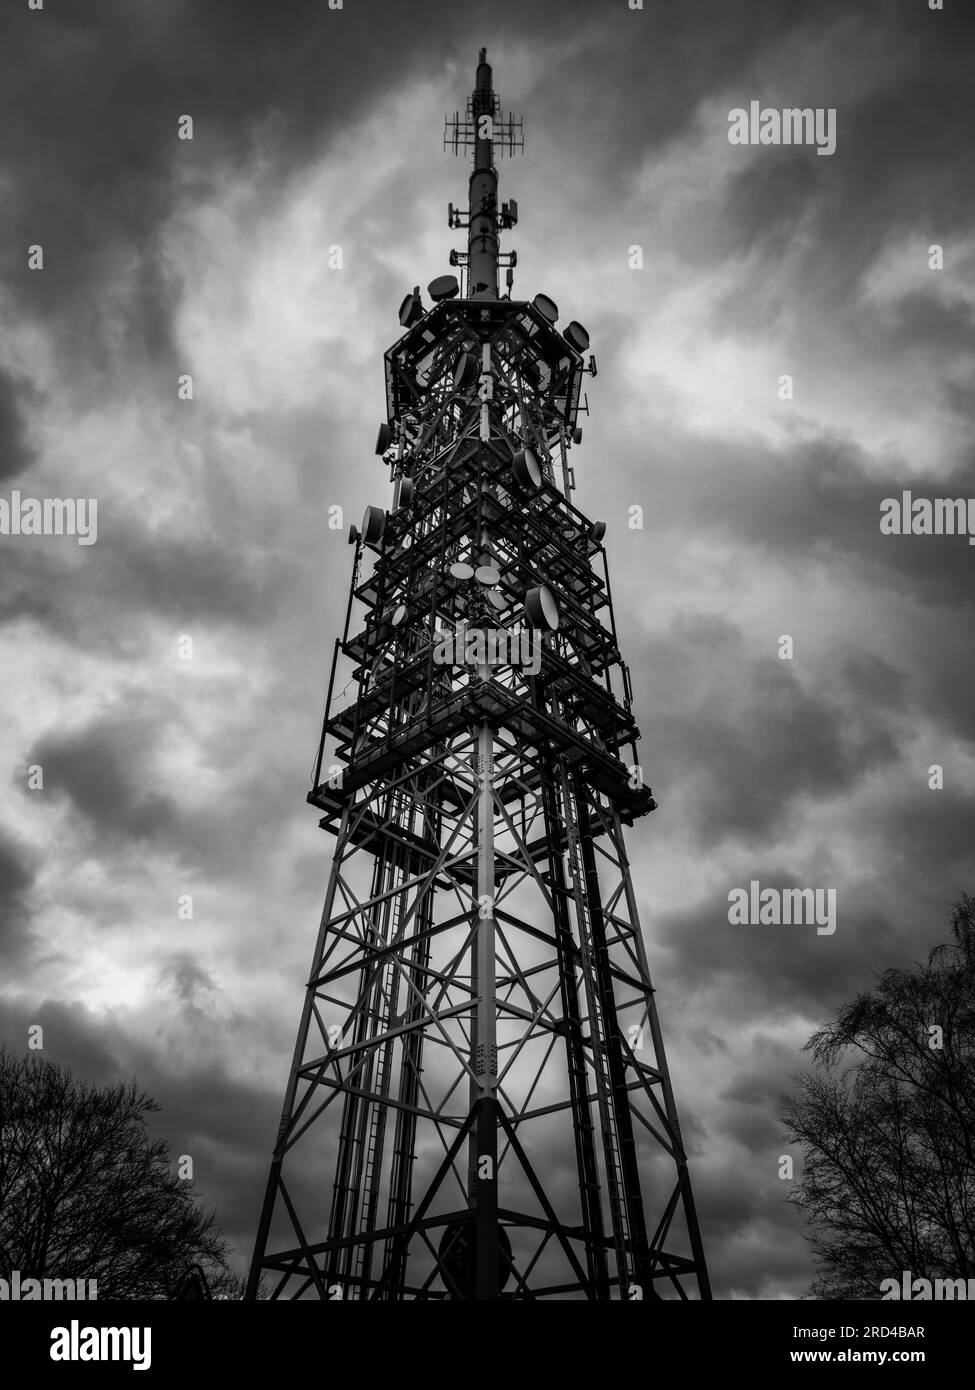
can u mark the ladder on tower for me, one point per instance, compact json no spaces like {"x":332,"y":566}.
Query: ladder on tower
{"x":600,"y":1038}
{"x":383,"y":1015}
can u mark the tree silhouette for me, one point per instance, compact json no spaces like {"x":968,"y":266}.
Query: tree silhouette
{"x":887,"y":1125}
{"x":85,"y":1193}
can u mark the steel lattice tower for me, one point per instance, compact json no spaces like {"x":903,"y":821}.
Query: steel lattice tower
{"x":479,"y":1104}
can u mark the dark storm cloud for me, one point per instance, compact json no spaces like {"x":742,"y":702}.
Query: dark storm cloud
{"x":15,"y":452}
{"x":899,"y":140}
{"x":754,"y":1127}
{"x":103,"y":771}
{"x":824,"y":506}
{"x":73,"y":1038}
{"x":770,"y":972}
{"x":944,"y":695}
{"x":96,"y":94}
{"x":960,"y":397}
{"x":766,"y":205}
{"x":189,"y":982}
{"x":641,"y":103}
{"x":910,"y":133}
{"x":931,"y":828}
{"x":783,"y":745}
{"x":749,"y":1104}
{"x":230,"y":574}
{"x":942,"y":329}
{"x":15,"y":878}
{"x":107,"y":772}
{"x":814,"y":501}
{"x":729,"y":1203}
{"x":217,"y":576}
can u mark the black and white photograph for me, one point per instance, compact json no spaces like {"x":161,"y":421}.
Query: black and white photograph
{"x":487,"y":734}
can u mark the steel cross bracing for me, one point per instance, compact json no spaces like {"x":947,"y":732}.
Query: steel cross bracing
{"x":479,"y":1104}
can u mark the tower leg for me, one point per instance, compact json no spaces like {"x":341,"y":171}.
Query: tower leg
{"x":484,"y":1137}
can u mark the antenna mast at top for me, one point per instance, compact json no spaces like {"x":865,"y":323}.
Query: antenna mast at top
{"x":485,"y":130}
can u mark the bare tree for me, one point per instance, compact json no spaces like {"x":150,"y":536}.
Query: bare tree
{"x":85,"y":1193}
{"x":887,"y":1125}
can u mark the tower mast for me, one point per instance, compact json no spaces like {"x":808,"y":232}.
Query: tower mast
{"x":479,"y":1075}
{"x":482,"y":238}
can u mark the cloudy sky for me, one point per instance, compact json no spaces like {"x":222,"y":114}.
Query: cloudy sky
{"x":316,"y":128}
